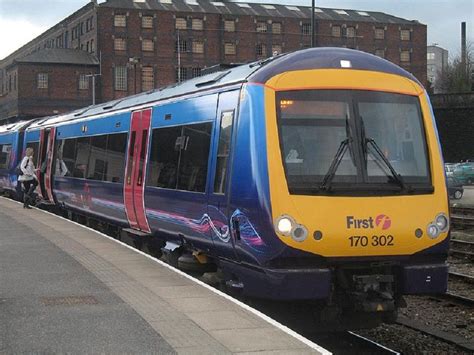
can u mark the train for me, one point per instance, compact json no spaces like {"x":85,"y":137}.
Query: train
{"x":311,"y":176}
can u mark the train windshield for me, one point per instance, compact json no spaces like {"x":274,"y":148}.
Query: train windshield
{"x":352,"y":142}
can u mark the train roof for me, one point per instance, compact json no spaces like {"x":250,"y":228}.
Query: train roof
{"x":12,"y":127}
{"x":257,"y":72}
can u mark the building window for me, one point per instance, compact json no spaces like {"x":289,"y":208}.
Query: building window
{"x":121,"y":78}
{"x":197,"y":24}
{"x":148,"y":79}
{"x":92,"y":46}
{"x":42,"y":81}
{"x":196,"y":72}
{"x":120,"y":44}
{"x":147,"y":22}
{"x":120,"y":21}
{"x":229,"y":25}
{"x":380,"y":53}
{"x":181,"y":74}
{"x":83,"y":82}
{"x":148,"y":45}
{"x":404,"y":56}
{"x":276,"y":49}
{"x":379,"y":33}
{"x":229,"y":48}
{"x":336,"y":31}
{"x":261,"y":50}
{"x":430,"y":56}
{"x":261,"y":26}
{"x":276,"y":28}
{"x":181,"y":46}
{"x":405,"y":35}
{"x":350,"y":32}
{"x":306,"y":28}
{"x":198,"y":47}
{"x":181,"y":23}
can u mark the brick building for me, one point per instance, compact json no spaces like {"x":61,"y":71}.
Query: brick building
{"x":145,"y":44}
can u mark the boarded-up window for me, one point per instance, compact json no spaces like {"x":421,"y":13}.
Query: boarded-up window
{"x":229,"y":25}
{"x":276,"y":28}
{"x":197,"y":24}
{"x":198,"y":47}
{"x":404,"y":56}
{"x":148,"y":79}
{"x":148,"y":45}
{"x":120,"y":21}
{"x":181,"y":23}
{"x":405,"y":35}
{"x":379,"y":33}
{"x":120,"y":44}
{"x":229,"y":48}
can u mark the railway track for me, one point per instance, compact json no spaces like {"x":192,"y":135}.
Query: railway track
{"x":462,"y":216}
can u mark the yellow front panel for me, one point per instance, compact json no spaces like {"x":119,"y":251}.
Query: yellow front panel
{"x":400,"y":215}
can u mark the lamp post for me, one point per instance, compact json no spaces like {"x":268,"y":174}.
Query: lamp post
{"x":312,"y":22}
{"x":134,"y":61}
{"x":93,"y":85}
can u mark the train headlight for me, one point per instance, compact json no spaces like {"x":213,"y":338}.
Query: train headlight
{"x":432,"y":230}
{"x":442,"y":222}
{"x":285,"y":224}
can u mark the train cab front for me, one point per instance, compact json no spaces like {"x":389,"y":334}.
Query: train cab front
{"x":358,"y":182}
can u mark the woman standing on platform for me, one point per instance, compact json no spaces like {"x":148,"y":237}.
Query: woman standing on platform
{"x":28,"y":178}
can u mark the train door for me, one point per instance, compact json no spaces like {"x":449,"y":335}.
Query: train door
{"x":45,"y":162}
{"x":218,"y":210}
{"x":135,"y":170}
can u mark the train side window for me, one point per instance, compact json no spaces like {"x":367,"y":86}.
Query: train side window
{"x":34,"y":146}
{"x":83,"y":146}
{"x":69,"y":153}
{"x":223,"y":149}
{"x":164,"y":157}
{"x":194,"y":157}
{"x":116,"y":144}
{"x":97,"y":166}
{"x":131,"y":153}
{"x":5,"y":152}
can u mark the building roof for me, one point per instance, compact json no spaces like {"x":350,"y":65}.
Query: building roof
{"x":226,"y":7}
{"x":61,"y":56}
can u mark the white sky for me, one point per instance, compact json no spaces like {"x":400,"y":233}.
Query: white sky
{"x":23,"y":20}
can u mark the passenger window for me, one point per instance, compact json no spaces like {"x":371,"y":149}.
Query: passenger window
{"x":82,"y":157}
{"x":116,"y":144}
{"x":164,"y":157}
{"x":69,"y":153}
{"x":223,"y":149}
{"x":179,"y":157}
{"x":194,"y":157}
{"x":98,"y":158}
{"x":142,"y":157}
{"x":131,"y":153}
{"x":5,"y":152}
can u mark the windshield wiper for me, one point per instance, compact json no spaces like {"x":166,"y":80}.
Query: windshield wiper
{"x":397,"y":177}
{"x":326,"y":183}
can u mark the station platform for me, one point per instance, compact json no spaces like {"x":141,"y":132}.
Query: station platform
{"x":65,"y":288}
